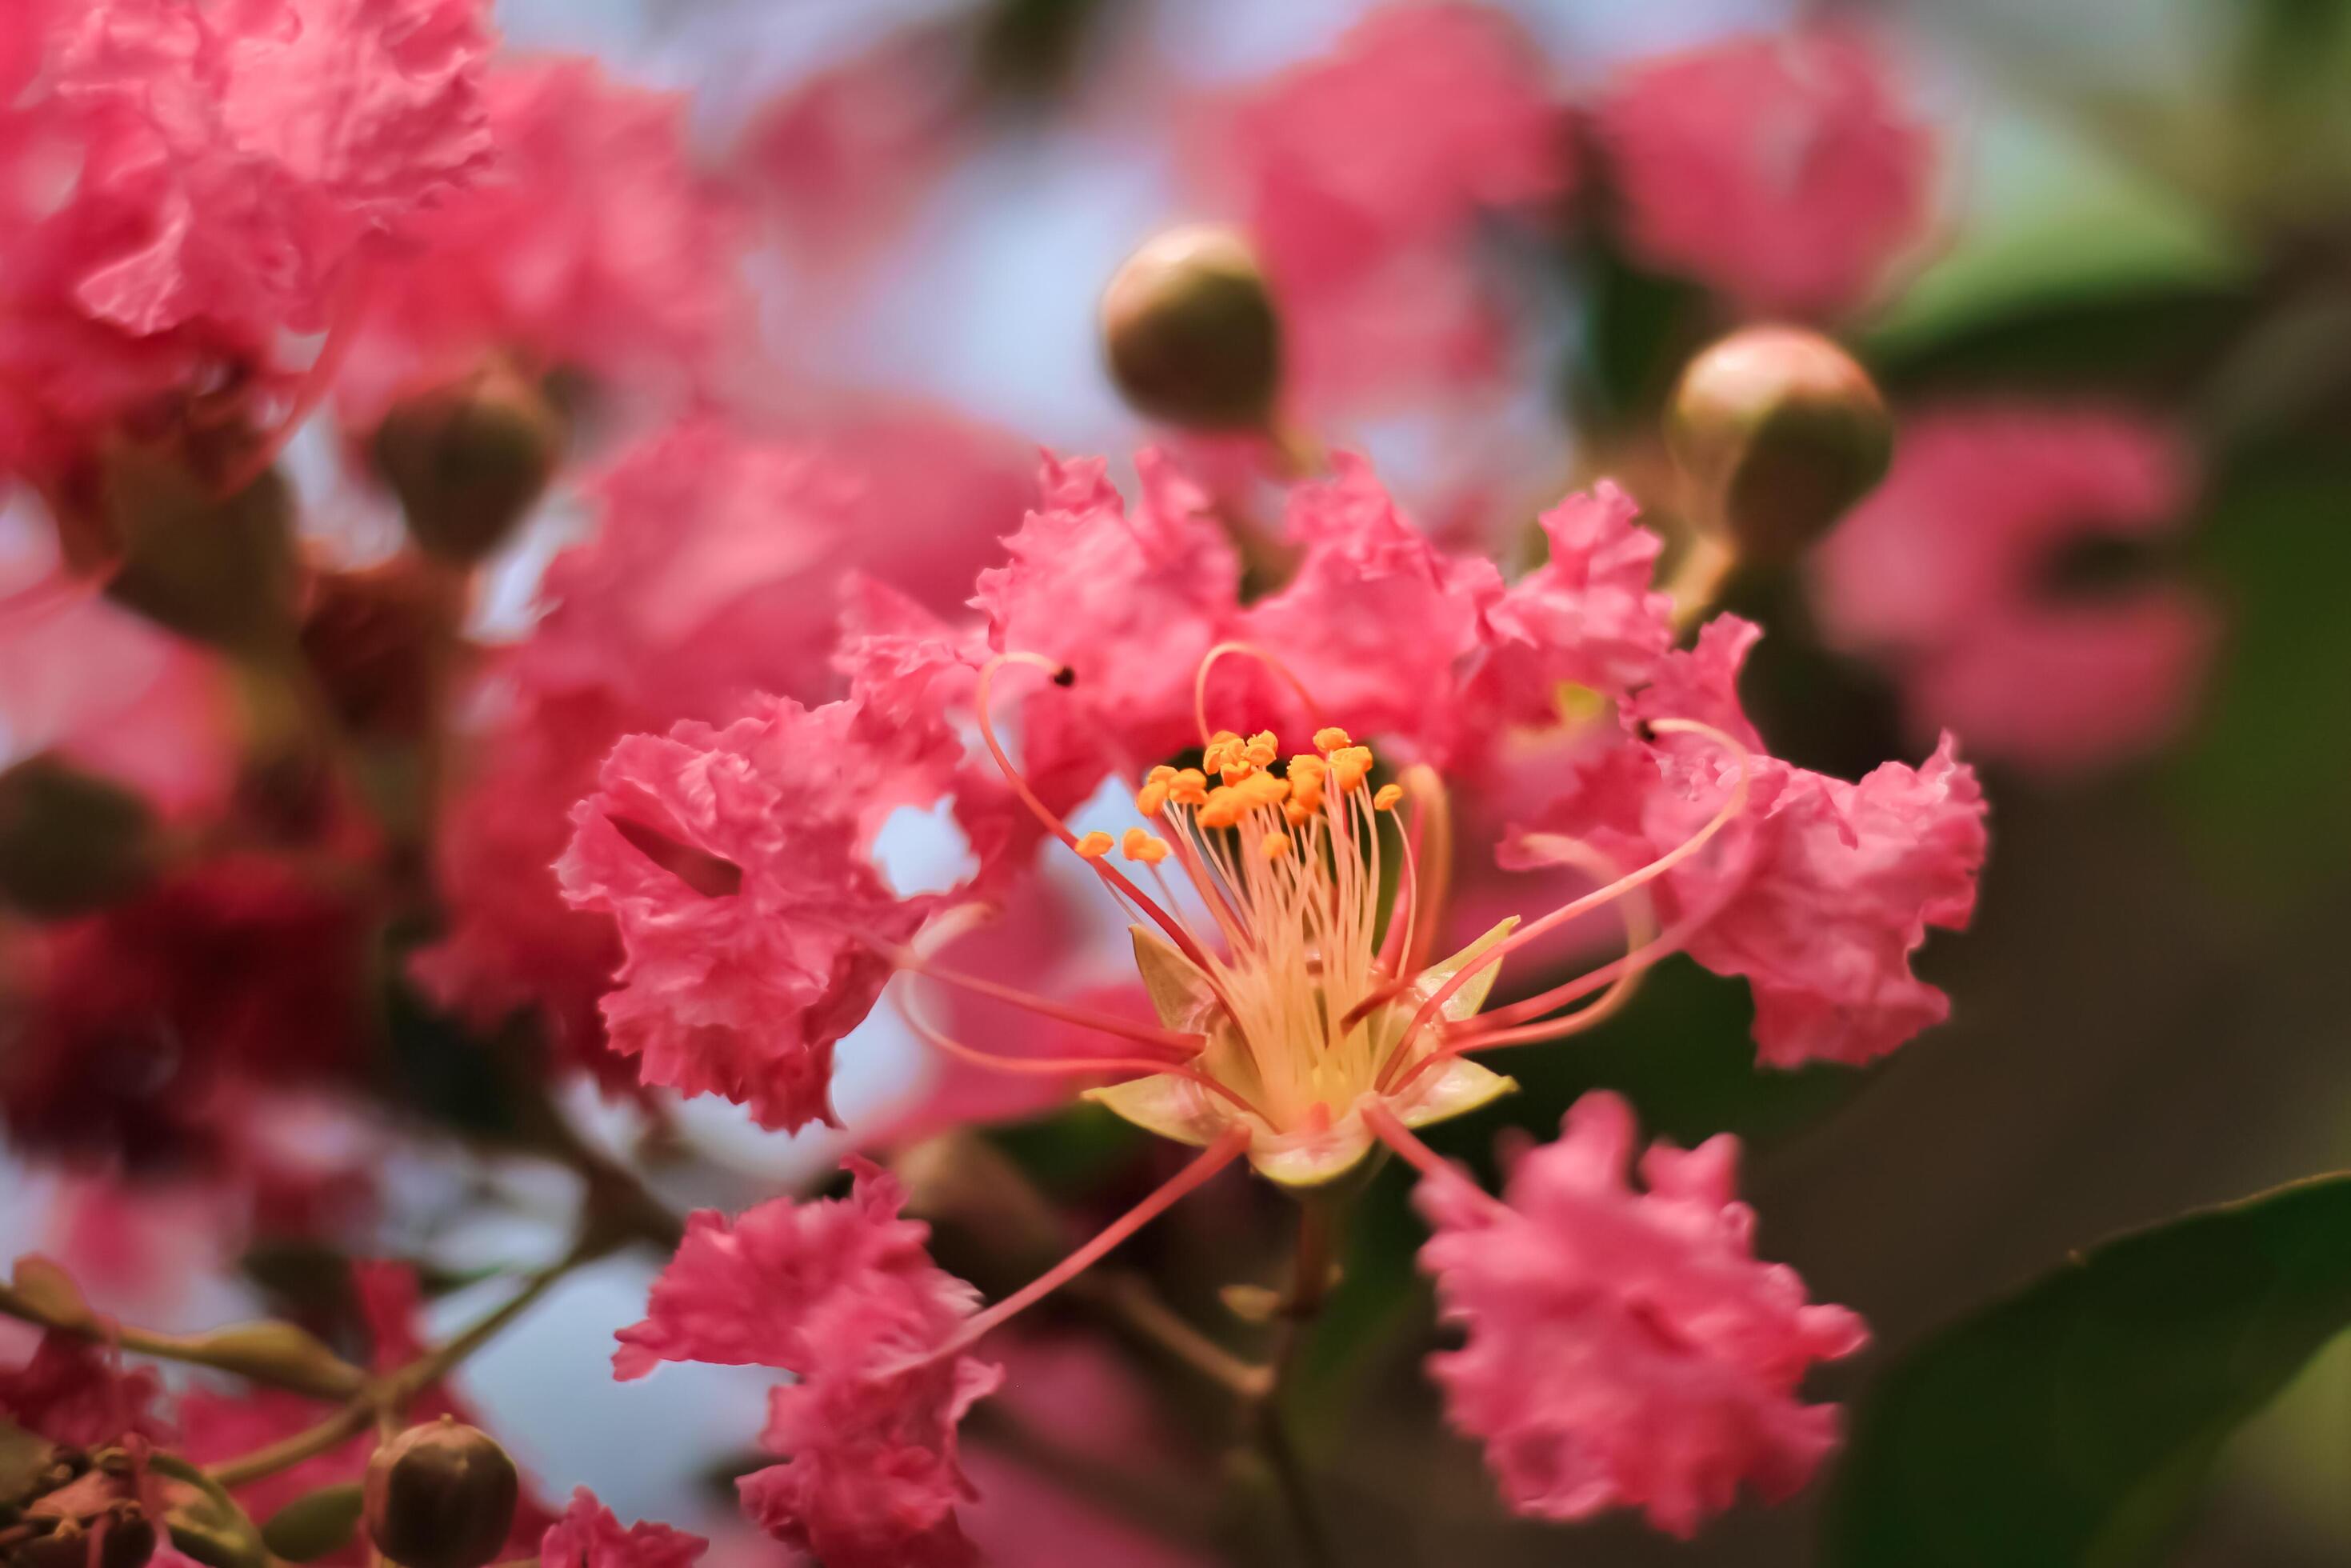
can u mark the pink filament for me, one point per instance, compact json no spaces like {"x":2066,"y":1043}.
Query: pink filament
{"x":1053,"y":821}
{"x":1210,"y":1160}
{"x":1208,"y":661}
{"x":1576,"y":908}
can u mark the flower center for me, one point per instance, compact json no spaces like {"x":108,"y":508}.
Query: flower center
{"x":1285,"y":859}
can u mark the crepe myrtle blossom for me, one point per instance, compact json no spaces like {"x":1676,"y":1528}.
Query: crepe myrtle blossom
{"x":1303,"y":1016}
{"x":588,"y":1535}
{"x":1785,"y":172}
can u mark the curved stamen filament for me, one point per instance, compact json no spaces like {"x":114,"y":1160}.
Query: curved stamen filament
{"x":1058,"y":1066}
{"x":1249,"y":650}
{"x":1209,"y":1162}
{"x":1731,"y":807}
{"x":1182,"y":1046}
{"x":1051,"y":819}
{"x":1390,"y":1130}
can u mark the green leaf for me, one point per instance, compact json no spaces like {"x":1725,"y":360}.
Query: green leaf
{"x":315,"y":1523}
{"x":24,"y":1457}
{"x":206,"y":1523}
{"x":2073,"y":1423}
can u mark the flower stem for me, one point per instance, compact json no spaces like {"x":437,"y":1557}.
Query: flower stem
{"x":1309,"y":1282}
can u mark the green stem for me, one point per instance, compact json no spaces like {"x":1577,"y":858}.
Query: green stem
{"x":1309,"y":1282}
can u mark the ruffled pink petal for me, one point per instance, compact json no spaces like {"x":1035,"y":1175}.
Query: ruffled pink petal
{"x":842,"y":1293}
{"x":735,"y":863}
{"x":592,"y":245}
{"x":1588,"y":614}
{"x":588,"y":1535}
{"x":1625,"y":1347}
{"x":78,"y":1394}
{"x":1785,"y":172}
{"x":1821,"y":889}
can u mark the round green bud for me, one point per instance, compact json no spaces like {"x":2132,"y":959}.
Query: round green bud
{"x":1781,"y":431}
{"x":469,"y":460}
{"x":441,"y":1495}
{"x":1191,"y":333}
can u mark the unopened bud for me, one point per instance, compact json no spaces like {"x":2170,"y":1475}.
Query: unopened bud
{"x":152,"y":520}
{"x":314,"y":1524}
{"x":440,"y":1496}
{"x":276,"y":1354}
{"x":1191,"y":332}
{"x":1781,"y":431}
{"x":469,"y":460}
{"x":71,"y":842}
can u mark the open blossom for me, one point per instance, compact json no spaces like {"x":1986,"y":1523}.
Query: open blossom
{"x":591,"y":244}
{"x":1784,"y":171}
{"x":1299,"y":1000}
{"x":1366,"y":217}
{"x":231,"y":163}
{"x":1625,"y":1349}
{"x":842,"y":1294}
{"x":589,"y":1536}
{"x":1952,"y":572}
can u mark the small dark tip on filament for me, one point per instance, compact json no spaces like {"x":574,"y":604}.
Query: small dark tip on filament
{"x":1065,"y":676}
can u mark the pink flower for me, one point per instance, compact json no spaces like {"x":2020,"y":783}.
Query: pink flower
{"x":1826,"y":887}
{"x":840,"y":1293}
{"x":735,"y":864}
{"x":591,"y":244}
{"x":78,"y":1394}
{"x":1784,"y":171}
{"x":1625,"y":1349}
{"x":229,"y":164}
{"x":714,"y":576}
{"x":1945,"y":572}
{"x":589,"y":1536}
{"x":1365,"y":216}
{"x":846,"y":154}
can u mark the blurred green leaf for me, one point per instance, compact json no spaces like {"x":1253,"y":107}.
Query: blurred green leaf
{"x":2073,"y":1423}
{"x":24,"y":1456}
{"x":2261,"y":785}
{"x":315,"y":1523}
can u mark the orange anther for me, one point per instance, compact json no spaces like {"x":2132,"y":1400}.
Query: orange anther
{"x":1139,"y":845}
{"x":1261,"y":749}
{"x":1151,"y":798}
{"x":1385,"y":798}
{"x":1189,"y":787}
{"x":1095,"y":845}
{"x":1350,"y":765}
{"x":1330,"y":739}
{"x":1273,"y":846}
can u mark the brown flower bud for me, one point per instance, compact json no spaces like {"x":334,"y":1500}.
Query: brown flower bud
{"x":441,"y":1495}
{"x":1191,"y":332}
{"x":154,"y":521}
{"x":70,"y":841}
{"x":1781,"y":431}
{"x":469,"y":460}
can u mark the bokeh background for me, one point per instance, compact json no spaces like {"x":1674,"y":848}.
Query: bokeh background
{"x":2140,"y":203}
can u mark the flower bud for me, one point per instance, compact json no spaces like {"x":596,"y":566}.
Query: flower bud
{"x":71,"y":842}
{"x":1781,"y":431}
{"x":154,"y":522}
{"x":441,"y":1495}
{"x":469,"y":460}
{"x":315,"y":1524}
{"x":1191,"y":332}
